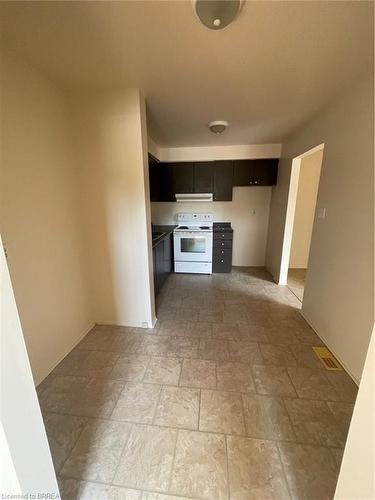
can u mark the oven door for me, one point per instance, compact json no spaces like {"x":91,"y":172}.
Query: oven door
{"x":193,"y":246}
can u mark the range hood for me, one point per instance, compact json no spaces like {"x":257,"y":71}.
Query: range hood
{"x":194,"y":197}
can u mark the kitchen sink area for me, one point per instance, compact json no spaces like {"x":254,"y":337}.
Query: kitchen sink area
{"x":157,"y":236}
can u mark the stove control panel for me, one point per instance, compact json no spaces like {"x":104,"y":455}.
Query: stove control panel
{"x":195,"y":219}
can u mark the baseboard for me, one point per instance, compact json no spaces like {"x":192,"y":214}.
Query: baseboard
{"x":116,"y":323}
{"x":308,"y":320}
{"x":66,"y":352}
{"x":113,"y":323}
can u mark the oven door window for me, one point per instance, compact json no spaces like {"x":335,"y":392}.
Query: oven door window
{"x":193,"y":245}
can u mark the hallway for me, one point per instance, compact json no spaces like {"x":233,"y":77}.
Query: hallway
{"x":224,"y":399}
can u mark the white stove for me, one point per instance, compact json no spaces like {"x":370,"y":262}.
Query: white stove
{"x":193,"y":243}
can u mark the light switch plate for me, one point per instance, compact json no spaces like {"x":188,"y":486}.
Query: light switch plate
{"x":321,"y":213}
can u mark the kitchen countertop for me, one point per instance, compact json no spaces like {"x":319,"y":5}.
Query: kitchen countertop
{"x":222,"y":227}
{"x":165,"y":230}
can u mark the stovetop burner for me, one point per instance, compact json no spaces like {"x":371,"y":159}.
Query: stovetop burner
{"x":194,"y":228}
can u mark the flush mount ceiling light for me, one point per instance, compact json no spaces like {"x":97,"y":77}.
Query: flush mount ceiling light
{"x":217,"y":14}
{"x":218,"y":126}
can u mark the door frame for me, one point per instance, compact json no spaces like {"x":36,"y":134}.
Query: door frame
{"x":290,"y":212}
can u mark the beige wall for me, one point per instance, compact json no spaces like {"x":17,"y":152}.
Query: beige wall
{"x":24,"y":441}
{"x":39,"y":216}
{"x":111,"y":147}
{"x":74,"y":215}
{"x":307,"y":193}
{"x":339,"y":293}
{"x":250,"y":229}
{"x":209,"y":153}
{"x":356,"y":479}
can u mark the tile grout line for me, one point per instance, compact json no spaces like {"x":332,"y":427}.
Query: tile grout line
{"x":173,"y":461}
{"x":291,"y":381}
{"x":227,"y":464}
{"x":72,"y":448}
{"x":216,"y":433}
{"x":180,"y":374}
{"x":118,"y":485}
{"x":124,"y":385}
{"x":122,"y":452}
{"x":147,"y":366}
{"x":199,"y":409}
{"x":161,"y":390}
{"x":243,"y":414}
{"x":205,"y":432}
{"x":127,"y":381}
{"x":289,"y":418}
{"x":284,"y":472}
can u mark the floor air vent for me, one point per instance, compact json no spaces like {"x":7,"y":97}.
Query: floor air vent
{"x":327,"y":359}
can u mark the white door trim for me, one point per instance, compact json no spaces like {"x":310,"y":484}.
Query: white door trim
{"x":290,"y":213}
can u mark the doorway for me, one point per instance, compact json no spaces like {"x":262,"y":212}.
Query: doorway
{"x":303,"y":192}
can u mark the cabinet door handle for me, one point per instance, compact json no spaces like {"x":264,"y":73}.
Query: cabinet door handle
{"x":222,"y":251}
{"x":251,"y":182}
{"x":222,"y":244}
{"x":222,"y":235}
{"x":221,"y":260}
{"x":255,"y":182}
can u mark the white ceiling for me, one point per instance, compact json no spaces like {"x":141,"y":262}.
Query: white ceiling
{"x":266,"y":73}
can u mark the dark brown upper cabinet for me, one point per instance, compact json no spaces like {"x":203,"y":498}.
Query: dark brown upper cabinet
{"x":154,"y":179}
{"x":242,"y":172}
{"x":203,"y":177}
{"x":255,"y":172}
{"x":165,"y":182}
{"x":167,"y":179}
{"x":265,"y":172}
{"x":183,"y":177}
{"x":223,"y":180}
{"x":217,"y":177}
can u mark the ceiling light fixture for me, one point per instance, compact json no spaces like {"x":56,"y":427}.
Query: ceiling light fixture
{"x":218,"y":126}
{"x":217,"y":14}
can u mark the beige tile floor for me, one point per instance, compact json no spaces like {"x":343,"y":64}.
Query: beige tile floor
{"x":224,"y":399}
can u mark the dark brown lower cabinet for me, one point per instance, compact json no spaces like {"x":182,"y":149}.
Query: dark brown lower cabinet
{"x":222,"y":249}
{"x":222,"y":262}
{"x":163,"y":261}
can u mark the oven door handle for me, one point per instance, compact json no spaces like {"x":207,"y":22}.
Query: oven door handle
{"x":193,"y":233}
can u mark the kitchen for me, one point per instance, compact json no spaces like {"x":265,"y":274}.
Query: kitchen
{"x":241,"y":188}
